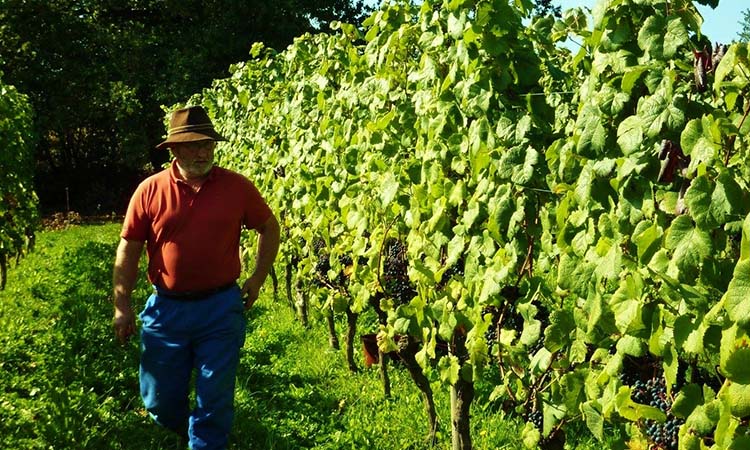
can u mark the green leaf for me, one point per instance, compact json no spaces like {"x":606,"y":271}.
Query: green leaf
{"x":745,"y":244}
{"x":689,"y":245}
{"x":660,"y":110}
{"x":698,"y":200}
{"x":735,"y":58}
{"x":651,"y":109}
{"x":728,"y":199}
{"x":738,"y":293}
{"x":688,"y":334}
{"x":633,"y":411}
{"x":671,"y":366}
{"x":552,"y":414}
{"x":574,"y":274}
{"x":703,"y":419}
{"x":630,"y":135}
{"x":449,"y":368}
{"x":626,"y":304}
{"x":594,"y":420}
{"x":697,"y":142}
{"x":388,"y":188}
{"x":631,"y":76}
{"x":675,"y":37}
{"x":737,"y":397}
{"x":647,"y":238}
{"x":630,"y":345}
{"x":735,"y":355}
{"x":560,"y":330}
{"x":713,"y":203}
{"x":660,"y":44}
{"x":401,"y":325}
{"x":593,"y":136}
{"x":689,"y":398}
{"x":651,"y":36}
{"x":530,"y":436}
{"x":524,"y":173}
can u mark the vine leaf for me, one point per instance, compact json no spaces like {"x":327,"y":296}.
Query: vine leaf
{"x":698,"y":142}
{"x":647,"y":238}
{"x":745,"y":245}
{"x":689,"y":398}
{"x":658,"y":44}
{"x":560,"y":330}
{"x":737,"y":294}
{"x":690,"y":246}
{"x":711,"y":203}
{"x":626,"y":304}
{"x":735,"y":60}
{"x":734,"y":356}
{"x":633,"y":411}
{"x":594,"y":420}
{"x":703,"y":419}
{"x":389,"y":189}
{"x":630,"y":135}
{"x":593,"y":138}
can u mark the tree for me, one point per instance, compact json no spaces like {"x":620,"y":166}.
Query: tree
{"x":545,"y":7}
{"x":98,"y":73}
{"x":744,"y":34}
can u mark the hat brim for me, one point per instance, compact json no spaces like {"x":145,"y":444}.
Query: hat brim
{"x":181,"y":138}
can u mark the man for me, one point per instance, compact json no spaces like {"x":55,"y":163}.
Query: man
{"x":189,"y":217}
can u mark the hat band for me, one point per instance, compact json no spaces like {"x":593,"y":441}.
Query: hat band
{"x":186,"y":128}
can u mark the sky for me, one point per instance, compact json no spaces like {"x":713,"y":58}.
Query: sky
{"x":720,"y":25}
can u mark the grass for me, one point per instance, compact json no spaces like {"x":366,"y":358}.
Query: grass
{"x":66,"y":384}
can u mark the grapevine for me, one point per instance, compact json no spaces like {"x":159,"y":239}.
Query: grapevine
{"x":607,"y":187}
{"x":18,"y":203}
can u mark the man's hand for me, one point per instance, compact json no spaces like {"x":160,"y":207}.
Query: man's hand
{"x":268,"y":246}
{"x":123,"y":281}
{"x":124,"y":323}
{"x":250,"y":291}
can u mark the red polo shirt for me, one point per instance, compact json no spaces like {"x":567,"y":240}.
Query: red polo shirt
{"x":192,"y":238}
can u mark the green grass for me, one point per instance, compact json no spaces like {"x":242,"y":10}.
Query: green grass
{"x":66,"y":384}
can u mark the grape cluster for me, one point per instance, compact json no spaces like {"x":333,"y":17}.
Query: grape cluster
{"x":648,"y":387}
{"x":456,"y":270}
{"x":653,"y":392}
{"x":536,"y":418}
{"x":396,"y":283}
{"x":512,"y":319}
{"x":491,"y":334}
{"x":664,"y":435}
{"x":323,"y":265}
{"x":542,"y":315}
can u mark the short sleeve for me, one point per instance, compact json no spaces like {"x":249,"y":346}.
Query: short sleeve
{"x":136,"y":224}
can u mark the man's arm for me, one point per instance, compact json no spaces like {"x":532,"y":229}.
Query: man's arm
{"x":268,"y":246}
{"x":123,"y":280}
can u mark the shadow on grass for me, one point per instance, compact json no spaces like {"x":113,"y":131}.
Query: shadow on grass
{"x":276,"y":407}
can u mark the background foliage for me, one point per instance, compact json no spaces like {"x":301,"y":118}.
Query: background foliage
{"x":97,"y":73}
{"x":18,"y":202}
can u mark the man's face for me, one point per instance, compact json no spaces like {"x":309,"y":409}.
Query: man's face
{"x":195,"y":158}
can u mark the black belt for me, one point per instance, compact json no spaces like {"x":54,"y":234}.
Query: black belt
{"x":193,"y":295}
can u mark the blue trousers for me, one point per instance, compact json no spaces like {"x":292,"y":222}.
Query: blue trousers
{"x":179,"y":337}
